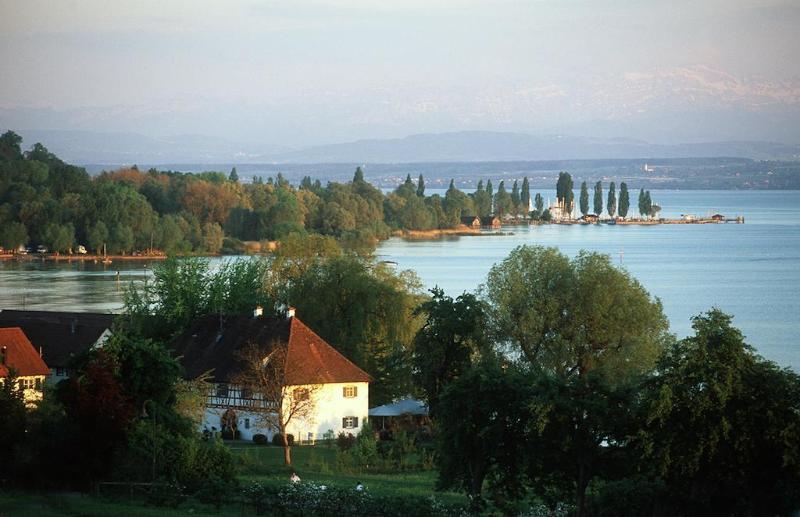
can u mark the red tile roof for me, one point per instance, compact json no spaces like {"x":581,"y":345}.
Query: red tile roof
{"x":20,"y":354}
{"x":214,"y":343}
{"x":310,"y":360}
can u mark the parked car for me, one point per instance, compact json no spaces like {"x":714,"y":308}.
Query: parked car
{"x":41,"y":248}
{"x":81,"y":250}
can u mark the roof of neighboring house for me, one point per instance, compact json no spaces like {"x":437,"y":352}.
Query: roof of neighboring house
{"x":20,"y":354}
{"x":60,"y":335}
{"x":401,"y":407}
{"x":214,"y":343}
{"x":489,"y":219}
{"x":469,"y":219}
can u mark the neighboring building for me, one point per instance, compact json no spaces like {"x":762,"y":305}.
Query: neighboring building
{"x":718,"y":218}
{"x":590,"y":218}
{"x":17,"y":354}
{"x":59,"y":336}
{"x":471,"y":221}
{"x":490,"y":221}
{"x":339,"y":388}
{"x":561,"y":212}
{"x":398,"y":413}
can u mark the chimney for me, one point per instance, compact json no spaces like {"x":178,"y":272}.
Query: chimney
{"x":258,"y":311}
{"x":290,"y":312}
{"x":3,"y":354}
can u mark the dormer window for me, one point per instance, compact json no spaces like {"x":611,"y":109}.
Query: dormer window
{"x":350,"y":392}
{"x":300,"y":394}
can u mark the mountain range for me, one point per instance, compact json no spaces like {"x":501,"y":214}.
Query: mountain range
{"x":116,"y":149}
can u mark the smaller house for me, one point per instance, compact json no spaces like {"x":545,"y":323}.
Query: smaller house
{"x":18,"y":355}
{"x":718,"y":217}
{"x":491,"y":221}
{"x":590,"y":218}
{"x":471,"y":221}
{"x":404,"y":412}
{"x":60,"y":336}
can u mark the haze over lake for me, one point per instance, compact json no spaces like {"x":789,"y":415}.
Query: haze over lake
{"x":751,"y":271}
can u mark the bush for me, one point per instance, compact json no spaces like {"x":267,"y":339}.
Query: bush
{"x":260,"y":439}
{"x":277,"y":439}
{"x":345,"y":441}
{"x":216,"y":491}
{"x":166,"y":494}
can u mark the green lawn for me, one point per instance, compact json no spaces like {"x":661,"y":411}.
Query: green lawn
{"x":26,"y":504}
{"x":261,"y":463}
{"x":317,"y":464}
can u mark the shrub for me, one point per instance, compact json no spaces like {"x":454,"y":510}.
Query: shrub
{"x":260,"y":439}
{"x":216,"y":491}
{"x":345,"y":441}
{"x":166,"y":494}
{"x":277,"y":439}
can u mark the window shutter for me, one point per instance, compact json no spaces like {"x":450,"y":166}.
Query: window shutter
{"x":355,"y":392}
{"x":344,"y":391}
{"x":355,"y":421}
{"x":344,"y":422}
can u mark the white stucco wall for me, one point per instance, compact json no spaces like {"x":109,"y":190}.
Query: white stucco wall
{"x":330,"y":407}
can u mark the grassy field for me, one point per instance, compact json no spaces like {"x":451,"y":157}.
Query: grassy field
{"x":261,"y":463}
{"x":317,"y":464}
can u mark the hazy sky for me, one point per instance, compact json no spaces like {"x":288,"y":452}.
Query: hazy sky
{"x":297,"y":72}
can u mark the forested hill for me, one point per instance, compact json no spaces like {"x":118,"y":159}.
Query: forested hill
{"x":46,"y":201}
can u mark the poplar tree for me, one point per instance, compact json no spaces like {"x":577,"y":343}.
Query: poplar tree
{"x":598,"y":198}
{"x":526,"y":196}
{"x":642,"y":210}
{"x":234,"y":176}
{"x":584,"y":199}
{"x":420,"y":186}
{"x":611,"y":205}
{"x":515,"y":198}
{"x":624,"y":200}
{"x":538,"y":205}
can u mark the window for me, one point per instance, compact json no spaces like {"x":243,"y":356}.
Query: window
{"x":350,"y":422}
{"x":350,"y":392}
{"x":61,"y":372}
{"x":222,"y":390}
{"x":38,"y":384}
{"x":247,"y":423}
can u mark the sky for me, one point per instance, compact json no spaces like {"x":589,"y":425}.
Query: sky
{"x":304,"y":72}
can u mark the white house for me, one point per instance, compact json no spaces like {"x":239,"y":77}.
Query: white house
{"x":337,"y":388}
{"x":18,"y":355}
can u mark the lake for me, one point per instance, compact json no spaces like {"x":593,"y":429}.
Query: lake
{"x":749,"y":270}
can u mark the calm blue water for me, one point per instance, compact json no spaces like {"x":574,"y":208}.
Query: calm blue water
{"x":749,"y":270}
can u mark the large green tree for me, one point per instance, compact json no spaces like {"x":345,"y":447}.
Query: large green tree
{"x":365,"y":310}
{"x":723,"y":425}
{"x":589,"y":331}
{"x":453,"y":334}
